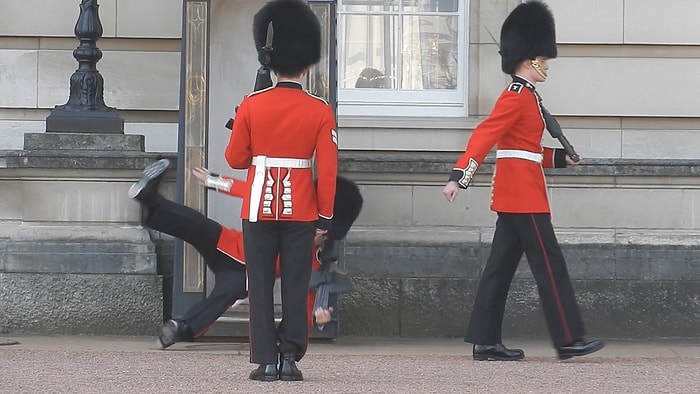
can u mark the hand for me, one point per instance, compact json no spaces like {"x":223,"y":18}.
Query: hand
{"x":320,"y":236}
{"x":450,"y":190}
{"x":571,"y":162}
{"x":201,"y":174}
{"x":323,"y":316}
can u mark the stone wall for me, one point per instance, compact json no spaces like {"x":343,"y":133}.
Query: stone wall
{"x":414,"y":276}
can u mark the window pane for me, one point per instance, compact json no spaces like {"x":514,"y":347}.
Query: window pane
{"x":369,"y":5}
{"x":318,"y":78}
{"x":369,"y":58}
{"x":429,"y":52}
{"x":430,"y":5}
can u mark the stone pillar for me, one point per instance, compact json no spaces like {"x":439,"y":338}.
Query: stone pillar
{"x":74,"y":258}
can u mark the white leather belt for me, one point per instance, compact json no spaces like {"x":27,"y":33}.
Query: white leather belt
{"x":262,"y":163}
{"x":518,"y":154}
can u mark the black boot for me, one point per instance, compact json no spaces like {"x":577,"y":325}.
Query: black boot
{"x":496,"y":352}
{"x":265,"y":373}
{"x":147,"y":185}
{"x":288,"y":368}
{"x":580,"y":348}
{"x":173,"y":331}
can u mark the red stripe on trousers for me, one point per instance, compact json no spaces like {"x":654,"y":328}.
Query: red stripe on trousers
{"x":567,"y":332}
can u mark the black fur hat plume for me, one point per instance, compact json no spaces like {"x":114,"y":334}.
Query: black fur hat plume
{"x":296,"y":39}
{"x":526,"y":33}
{"x":346,"y":209}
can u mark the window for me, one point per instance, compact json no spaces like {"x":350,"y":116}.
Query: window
{"x":402,"y":57}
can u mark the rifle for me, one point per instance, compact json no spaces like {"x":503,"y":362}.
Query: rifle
{"x":555,"y":131}
{"x":263,"y":80}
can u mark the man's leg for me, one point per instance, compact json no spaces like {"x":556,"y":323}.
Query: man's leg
{"x":261,"y":245}
{"x":295,"y":273}
{"x":185,"y":223}
{"x":296,"y":245}
{"x":549,"y":269}
{"x":486,"y":321}
{"x":229,"y":287}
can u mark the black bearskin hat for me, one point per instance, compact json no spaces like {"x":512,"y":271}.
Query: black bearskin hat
{"x":526,"y":33}
{"x":296,"y":42}
{"x":347,"y":207}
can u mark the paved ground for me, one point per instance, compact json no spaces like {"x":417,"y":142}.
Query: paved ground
{"x":349,"y":365}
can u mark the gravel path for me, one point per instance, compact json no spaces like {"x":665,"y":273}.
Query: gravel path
{"x":111,"y":371}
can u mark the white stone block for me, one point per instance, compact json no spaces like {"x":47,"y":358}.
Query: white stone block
{"x":73,"y":201}
{"x":612,"y":86}
{"x":588,"y":21}
{"x":150,"y":19}
{"x":12,"y":135}
{"x":622,"y":207}
{"x":590,"y":143}
{"x":470,"y":208}
{"x":133,"y":80}
{"x":661,"y":144}
{"x":160,"y":137}
{"x":386,"y":205}
{"x":53,"y":18}
{"x":11,"y":201}
{"x":18,"y":80}
{"x":662,"y":22}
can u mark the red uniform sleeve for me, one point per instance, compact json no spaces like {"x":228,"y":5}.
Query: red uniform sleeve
{"x":554,"y":158}
{"x":239,"y":187}
{"x":485,"y":136}
{"x":238,"y":152}
{"x":326,"y":168}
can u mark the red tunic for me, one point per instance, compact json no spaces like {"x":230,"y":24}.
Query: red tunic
{"x":287,"y":122}
{"x":516,"y":123}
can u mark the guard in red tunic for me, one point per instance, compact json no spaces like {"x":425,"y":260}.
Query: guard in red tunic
{"x":222,"y":248}
{"x":276,"y":134}
{"x":524,"y":225}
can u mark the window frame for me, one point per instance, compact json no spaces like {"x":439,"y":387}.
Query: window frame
{"x":384,"y":102}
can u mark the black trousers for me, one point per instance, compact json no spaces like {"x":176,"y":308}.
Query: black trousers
{"x":203,"y":233}
{"x":532,"y":234}
{"x":262,"y":242}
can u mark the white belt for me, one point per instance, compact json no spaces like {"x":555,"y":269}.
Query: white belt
{"x":261,"y":163}
{"x":518,"y":154}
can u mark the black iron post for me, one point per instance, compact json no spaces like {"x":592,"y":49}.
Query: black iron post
{"x":85,"y":111}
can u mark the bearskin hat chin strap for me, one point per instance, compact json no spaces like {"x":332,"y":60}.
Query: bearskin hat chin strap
{"x":538,"y":68}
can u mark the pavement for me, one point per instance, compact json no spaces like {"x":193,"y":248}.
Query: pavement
{"x":106,"y":364}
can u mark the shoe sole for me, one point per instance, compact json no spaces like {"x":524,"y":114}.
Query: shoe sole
{"x":291,"y":378}
{"x":589,"y":351}
{"x":151,"y":172}
{"x":266,"y":379}
{"x":484,"y":357}
{"x":168,"y":336}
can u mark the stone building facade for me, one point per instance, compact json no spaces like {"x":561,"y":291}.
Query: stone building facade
{"x":622,"y":88}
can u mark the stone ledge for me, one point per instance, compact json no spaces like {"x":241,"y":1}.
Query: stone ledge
{"x":81,"y":159}
{"x":442,"y":163}
{"x":438,"y":235}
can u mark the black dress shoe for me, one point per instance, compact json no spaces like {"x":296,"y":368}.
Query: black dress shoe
{"x":265,"y":373}
{"x":147,"y":185}
{"x":496,"y":352}
{"x":288,"y":369}
{"x":580,"y":348}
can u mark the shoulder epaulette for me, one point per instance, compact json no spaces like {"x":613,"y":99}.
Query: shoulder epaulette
{"x":516,"y":87}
